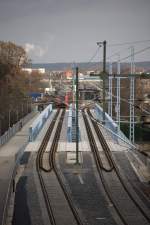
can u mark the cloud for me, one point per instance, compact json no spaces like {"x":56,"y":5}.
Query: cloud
{"x":29,"y":47}
{"x":35,"y":50}
{"x":39,"y":51}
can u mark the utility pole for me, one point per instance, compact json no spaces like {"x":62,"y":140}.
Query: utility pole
{"x":104,"y":76}
{"x":77,"y":122}
{"x":118,"y":93}
{"x":132,"y":90}
{"x":73,"y":83}
{"x":0,"y":127}
{"x":9,"y":118}
{"x":1,"y":118}
{"x":110,"y":90}
{"x":50,"y":82}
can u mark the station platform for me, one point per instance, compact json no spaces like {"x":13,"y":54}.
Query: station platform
{"x":8,"y":155}
{"x":18,"y":144}
{"x":65,"y":146}
{"x":32,"y":209}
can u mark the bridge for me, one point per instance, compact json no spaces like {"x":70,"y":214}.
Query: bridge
{"x":43,"y":171}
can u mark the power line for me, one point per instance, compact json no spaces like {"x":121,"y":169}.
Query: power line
{"x":129,"y":43}
{"x":94,"y":55}
{"x":91,"y":59}
{"x":117,"y":53}
{"x":136,"y":53}
{"x":126,"y":101}
{"x":124,"y":58}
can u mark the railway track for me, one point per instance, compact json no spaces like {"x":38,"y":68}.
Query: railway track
{"x":127,"y":207}
{"x":59,"y":204}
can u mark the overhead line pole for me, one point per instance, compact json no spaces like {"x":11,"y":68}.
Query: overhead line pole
{"x":132,"y":90}
{"x":104,"y":77}
{"x":118,"y":93}
{"x":110,"y":90}
{"x":77,"y":122}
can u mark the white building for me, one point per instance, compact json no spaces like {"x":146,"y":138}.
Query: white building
{"x":30,"y":70}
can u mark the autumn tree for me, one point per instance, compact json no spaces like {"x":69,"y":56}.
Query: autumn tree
{"x":13,"y":88}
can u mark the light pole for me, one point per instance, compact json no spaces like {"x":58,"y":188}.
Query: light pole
{"x":0,"y":128}
{"x":30,"y":65}
{"x":50,"y":82}
{"x":104,"y":76}
{"x":1,"y":118}
{"x":9,"y":117}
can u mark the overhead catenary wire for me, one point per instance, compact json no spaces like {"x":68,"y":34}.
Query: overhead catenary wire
{"x":129,"y":43}
{"x":91,"y":59}
{"x":124,"y":58}
{"x":121,"y":44}
{"x":94,"y":55}
{"x":116,"y":53}
{"x":136,"y":53}
{"x":126,"y":101}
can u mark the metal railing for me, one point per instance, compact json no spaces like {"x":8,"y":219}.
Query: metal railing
{"x":11,"y":186}
{"x":15,"y":128}
{"x":111,"y":126}
{"x":39,"y":122}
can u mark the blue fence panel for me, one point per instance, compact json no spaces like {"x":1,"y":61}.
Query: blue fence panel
{"x":109,"y":123}
{"x":71,"y":124}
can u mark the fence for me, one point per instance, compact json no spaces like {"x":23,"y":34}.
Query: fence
{"x":111,"y":125}
{"x":15,"y":128}
{"x":11,"y":186}
{"x":37,"y":125}
{"x":71,"y":127}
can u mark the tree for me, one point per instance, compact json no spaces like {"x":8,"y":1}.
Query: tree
{"x":13,"y":88}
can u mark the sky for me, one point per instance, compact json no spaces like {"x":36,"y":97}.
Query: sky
{"x":68,"y":30}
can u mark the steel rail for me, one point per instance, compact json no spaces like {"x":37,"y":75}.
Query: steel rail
{"x":45,"y":142}
{"x":98,"y":162}
{"x":100,"y":171}
{"x":108,"y":152}
{"x":39,"y":167}
{"x":53,"y":167}
{"x":97,"y":152}
{"x":52,"y":160}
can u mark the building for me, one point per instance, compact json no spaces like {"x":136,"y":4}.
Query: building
{"x":30,"y":70}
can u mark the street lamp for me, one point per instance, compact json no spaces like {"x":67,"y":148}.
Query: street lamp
{"x":1,"y":118}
